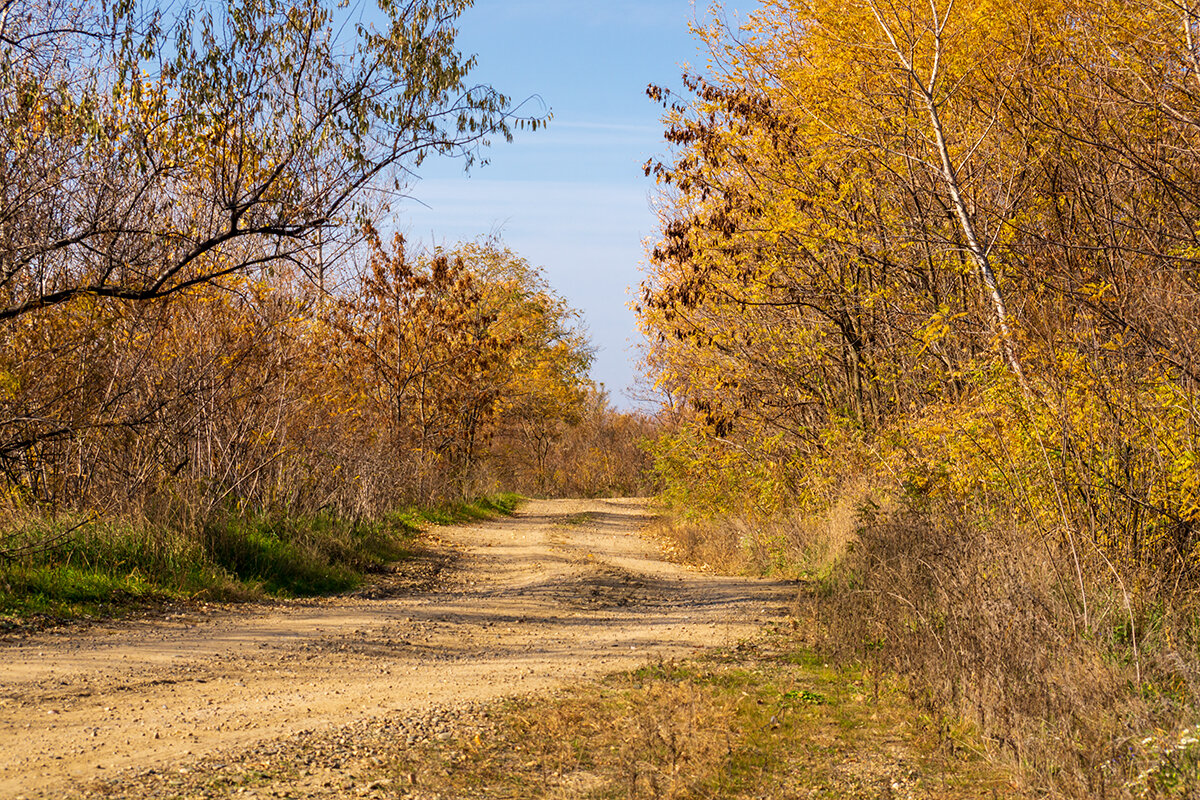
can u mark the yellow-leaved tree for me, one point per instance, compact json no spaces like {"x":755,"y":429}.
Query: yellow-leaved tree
{"x":931,"y":268}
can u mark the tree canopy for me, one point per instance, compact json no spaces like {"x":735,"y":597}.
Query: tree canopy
{"x":150,"y":148}
{"x":881,"y":219}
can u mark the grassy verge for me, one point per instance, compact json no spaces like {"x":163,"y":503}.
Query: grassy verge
{"x":766,"y":719}
{"x":479,"y":509}
{"x":1086,"y":685}
{"x":763,"y":720}
{"x":70,"y":568}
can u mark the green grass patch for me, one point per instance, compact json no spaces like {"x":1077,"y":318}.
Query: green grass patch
{"x":28,"y":591}
{"x":484,"y":508}
{"x":70,"y":567}
{"x":285,"y":557}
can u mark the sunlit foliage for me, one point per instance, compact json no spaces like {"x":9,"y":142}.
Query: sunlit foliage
{"x":958,"y":240}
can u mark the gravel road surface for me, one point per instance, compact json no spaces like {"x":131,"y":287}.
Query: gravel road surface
{"x":563,"y":591}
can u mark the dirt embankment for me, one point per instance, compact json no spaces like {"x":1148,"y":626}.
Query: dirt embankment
{"x":565,"y":590}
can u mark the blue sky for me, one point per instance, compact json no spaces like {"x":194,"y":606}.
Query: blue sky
{"x":572,"y":198}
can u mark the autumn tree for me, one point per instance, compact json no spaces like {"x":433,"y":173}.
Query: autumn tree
{"x":872,"y":207}
{"x":540,"y":389}
{"x":424,"y":339}
{"x":154,"y":150}
{"x":461,"y":344}
{"x":151,"y":148}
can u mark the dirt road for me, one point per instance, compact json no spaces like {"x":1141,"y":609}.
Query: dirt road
{"x":565,"y":590}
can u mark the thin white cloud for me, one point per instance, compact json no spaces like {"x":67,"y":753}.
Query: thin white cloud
{"x":625,"y":13}
{"x":607,"y":126}
{"x":599,"y":207}
{"x":571,"y":133}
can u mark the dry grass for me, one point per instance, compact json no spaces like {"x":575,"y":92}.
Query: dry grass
{"x":1089,"y":691}
{"x":766,"y":720}
{"x":795,"y":547}
{"x":1087,"y":686}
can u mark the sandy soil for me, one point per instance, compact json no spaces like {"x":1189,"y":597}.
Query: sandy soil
{"x":565,"y":590}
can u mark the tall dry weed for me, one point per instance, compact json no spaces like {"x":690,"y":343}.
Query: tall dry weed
{"x":988,"y":624}
{"x":793,"y":546}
